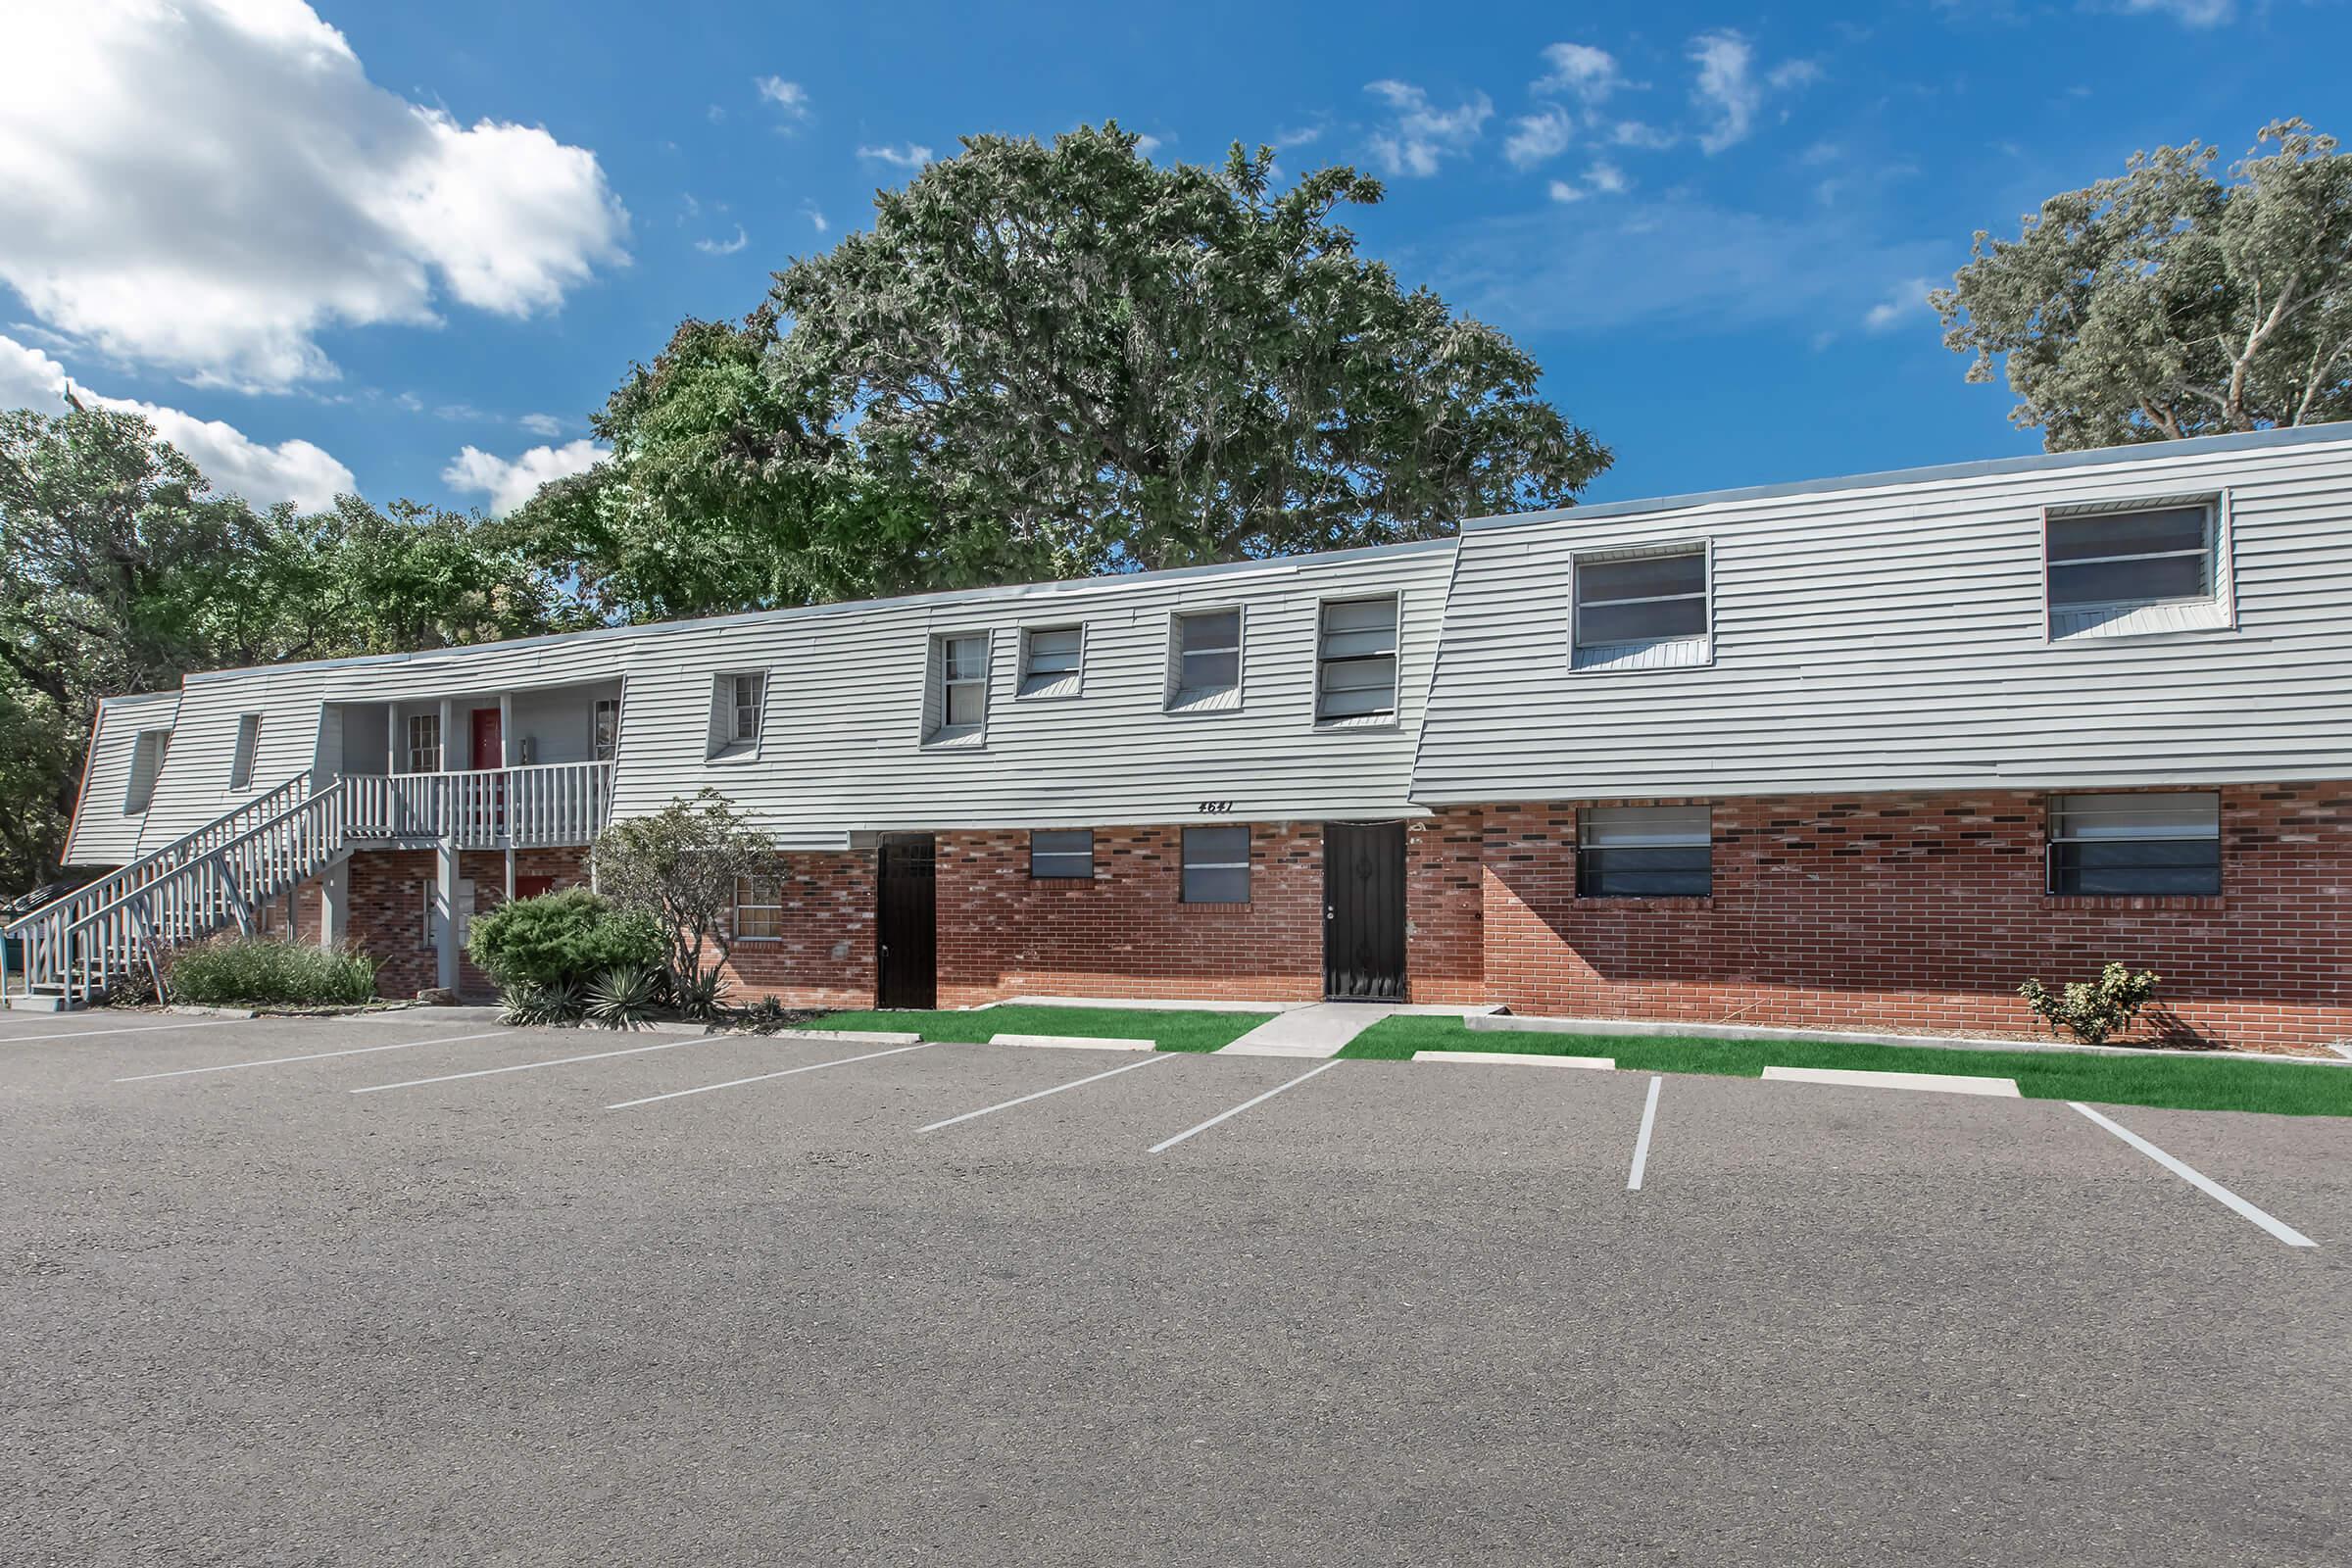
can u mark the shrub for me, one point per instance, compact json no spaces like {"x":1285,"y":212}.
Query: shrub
{"x":560,"y":939}
{"x":681,"y":865}
{"x":561,"y":1004}
{"x":703,"y":997}
{"x":2092,"y":1010}
{"x":623,"y":996}
{"x":250,"y":971}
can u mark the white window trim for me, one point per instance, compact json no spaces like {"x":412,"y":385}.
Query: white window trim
{"x":159,"y":740}
{"x":2149,"y":617}
{"x":1660,"y":653}
{"x":735,"y":931}
{"x":944,"y":736}
{"x":409,"y":748}
{"x":1394,"y":718}
{"x":725,"y":746}
{"x":596,"y":706}
{"x":1065,"y":687}
{"x":1224,"y":699}
{"x":2051,"y":839}
{"x":245,"y":753}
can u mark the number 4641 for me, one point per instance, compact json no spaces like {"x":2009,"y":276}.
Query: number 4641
{"x":1214,"y":808}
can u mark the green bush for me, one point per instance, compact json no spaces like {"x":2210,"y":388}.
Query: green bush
{"x":256,"y":971}
{"x":558,"y":1005}
{"x":2092,"y":1010}
{"x":562,"y":939}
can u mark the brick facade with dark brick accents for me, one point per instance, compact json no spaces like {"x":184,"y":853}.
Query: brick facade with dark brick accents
{"x":1925,"y":911}
{"x":825,"y":954}
{"x":387,"y":909}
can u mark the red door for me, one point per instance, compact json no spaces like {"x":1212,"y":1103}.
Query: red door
{"x":489,"y":750}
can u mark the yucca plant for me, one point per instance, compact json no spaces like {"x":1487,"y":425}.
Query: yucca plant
{"x":526,"y":1005}
{"x":703,"y":997}
{"x":623,"y":996}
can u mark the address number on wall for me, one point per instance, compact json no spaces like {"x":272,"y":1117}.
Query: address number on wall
{"x":1214,"y":808}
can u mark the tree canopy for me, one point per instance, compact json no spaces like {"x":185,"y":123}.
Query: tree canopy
{"x":121,"y":570}
{"x":2168,"y":302}
{"x":1055,"y":361}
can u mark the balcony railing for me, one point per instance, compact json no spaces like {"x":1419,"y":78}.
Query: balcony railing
{"x":483,"y":808}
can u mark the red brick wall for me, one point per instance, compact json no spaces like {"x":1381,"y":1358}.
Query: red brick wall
{"x":1445,"y":911}
{"x":1128,"y":933}
{"x":826,"y":956}
{"x":1925,"y":911}
{"x":387,"y":909}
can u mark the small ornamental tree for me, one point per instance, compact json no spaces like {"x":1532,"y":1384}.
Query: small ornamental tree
{"x":680,"y":864}
{"x":2093,"y":1010}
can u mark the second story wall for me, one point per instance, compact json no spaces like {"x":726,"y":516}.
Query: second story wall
{"x":1894,"y":632}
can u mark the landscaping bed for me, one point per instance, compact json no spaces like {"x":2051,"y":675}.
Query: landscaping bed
{"x":2187,"y":1082}
{"x":1173,"y":1030}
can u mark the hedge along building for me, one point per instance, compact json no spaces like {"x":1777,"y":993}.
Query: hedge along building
{"x":1871,"y":750}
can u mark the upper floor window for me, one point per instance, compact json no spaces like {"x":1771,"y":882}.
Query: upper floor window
{"x":2147,"y":843}
{"x":1645,"y":852}
{"x":1063,"y":853}
{"x":604,"y":729}
{"x":1206,"y":667}
{"x":750,"y":696}
{"x":1643,"y":610}
{"x":959,"y":698}
{"x":2136,"y":568}
{"x":738,"y":713}
{"x":248,"y":743}
{"x":1049,"y":661}
{"x":1216,"y":865}
{"x":147,"y":751}
{"x":1356,"y":660}
{"x":424,"y":742}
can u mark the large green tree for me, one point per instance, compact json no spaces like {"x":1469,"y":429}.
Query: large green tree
{"x":1052,"y":361}
{"x":122,"y":570}
{"x":2170,"y":302}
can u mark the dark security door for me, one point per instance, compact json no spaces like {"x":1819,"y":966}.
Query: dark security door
{"x":906,"y":928}
{"x":1363,"y":912}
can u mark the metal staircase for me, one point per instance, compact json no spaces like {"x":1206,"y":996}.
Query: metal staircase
{"x":221,"y":874}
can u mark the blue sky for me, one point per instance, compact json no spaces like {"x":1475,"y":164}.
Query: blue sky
{"x":409,"y":248}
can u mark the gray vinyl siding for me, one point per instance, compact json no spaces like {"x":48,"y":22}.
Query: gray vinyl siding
{"x":102,"y":834}
{"x":194,"y":787}
{"x":849,"y":705}
{"x":1891,"y":635}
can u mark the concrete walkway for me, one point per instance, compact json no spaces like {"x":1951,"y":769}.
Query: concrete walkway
{"x":1320,"y":1030}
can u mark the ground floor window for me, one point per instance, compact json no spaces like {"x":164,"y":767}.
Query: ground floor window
{"x":759,"y":908}
{"x":1645,"y":852}
{"x":1216,"y":865}
{"x":2152,"y":843}
{"x":1063,"y":853}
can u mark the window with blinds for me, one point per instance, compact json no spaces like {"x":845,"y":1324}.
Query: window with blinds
{"x":1356,"y":660}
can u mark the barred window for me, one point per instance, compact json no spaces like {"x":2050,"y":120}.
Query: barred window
{"x":2136,"y":844}
{"x":1216,"y":865}
{"x":1645,"y":852}
{"x":1066,"y":853}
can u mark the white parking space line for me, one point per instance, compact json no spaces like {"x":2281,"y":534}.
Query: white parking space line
{"x":763,"y":1077}
{"x":1223,"y":1115}
{"x":2200,"y":1181}
{"x":131,"y":1029}
{"x":1076,"y":1083}
{"x":551,"y":1062}
{"x":1649,"y":1120}
{"x":314,"y":1056}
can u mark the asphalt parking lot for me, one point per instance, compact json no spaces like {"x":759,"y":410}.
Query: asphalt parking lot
{"x":421,"y":1294}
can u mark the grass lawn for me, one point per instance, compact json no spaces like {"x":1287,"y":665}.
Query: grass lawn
{"x":2181,"y":1083}
{"x":1174,"y":1031}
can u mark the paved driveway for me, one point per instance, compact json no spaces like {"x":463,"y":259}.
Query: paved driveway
{"x":1393,"y":1313}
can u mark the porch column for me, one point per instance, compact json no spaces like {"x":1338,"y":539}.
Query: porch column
{"x":334,"y":905}
{"x":445,"y":904}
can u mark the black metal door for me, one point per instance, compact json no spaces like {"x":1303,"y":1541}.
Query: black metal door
{"x":906,"y":927}
{"x":1363,"y":912}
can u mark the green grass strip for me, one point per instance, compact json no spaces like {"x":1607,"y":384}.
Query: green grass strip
{"x":2181,"y":1083}
{"x":1173,"y":1031}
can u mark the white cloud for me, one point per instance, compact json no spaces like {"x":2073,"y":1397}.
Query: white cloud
{"x":1146,"y":145}
{"x":1586,"y":74}
{"x":1567,"y":191}
{"x":2188,"y":12}
{"x":914,"y":155}
{"x":206,"y":185}
{"x":511,"y":481}
{"x":1603,"y":179}
{"x":235,"y":464}
{"x":1728,"y":89}
{"x":1637,"y":133}
{"x":1903,"y":303}
{"x":1303,"y":136}
{"x":723,"y":247}
{"x":1539,"y":137}
{"x":817,"y":220}
{"x":1421,"y":136}
{"x":546,"y":424}
{"x":790,"y":98}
